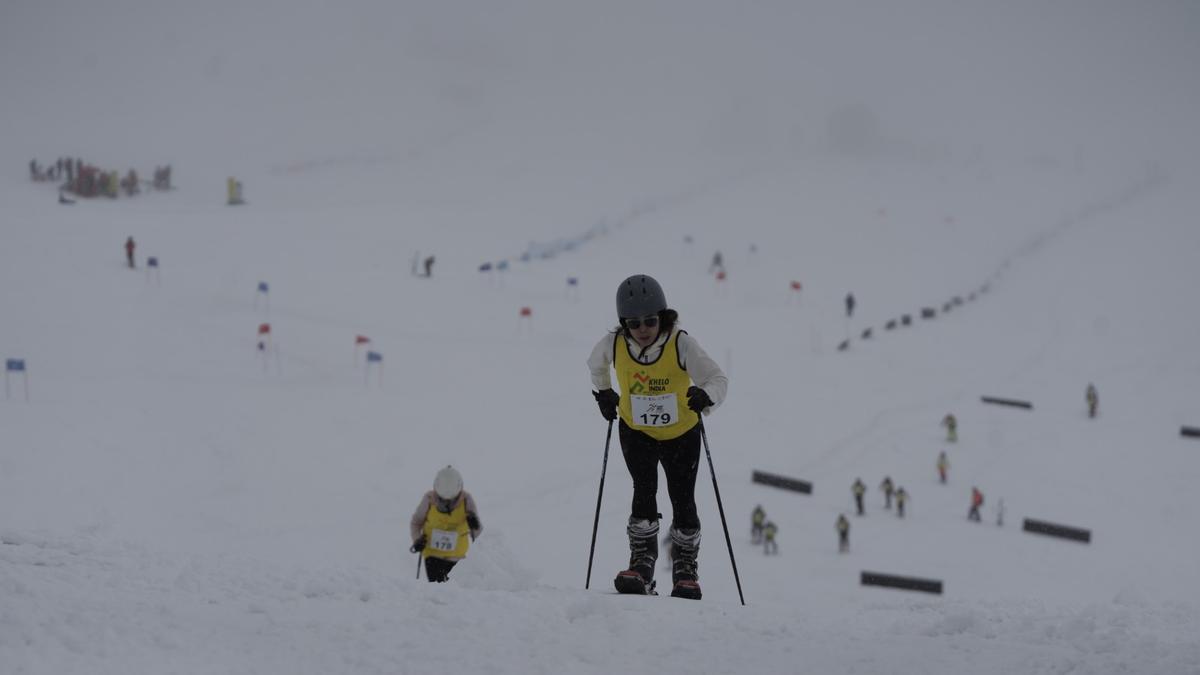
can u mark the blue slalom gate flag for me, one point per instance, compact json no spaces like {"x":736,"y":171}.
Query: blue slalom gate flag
{"x":485,"y":267}
{"x":374,"y":357}
{"x":502,"y":265}
{"x":15,"y":365}
{"x":152,"y":262}
{"x":572,"y":281}
{"x":263,"y":287}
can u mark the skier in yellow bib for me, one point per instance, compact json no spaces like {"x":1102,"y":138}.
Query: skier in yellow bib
{"x":444,"y":524}
{"x":665,"y":382}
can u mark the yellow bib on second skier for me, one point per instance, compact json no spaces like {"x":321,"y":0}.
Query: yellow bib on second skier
{"x":654,"y":395}
{"x":447,"y":535}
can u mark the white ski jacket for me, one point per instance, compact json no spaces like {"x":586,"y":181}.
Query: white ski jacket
{"x":700,"y":367}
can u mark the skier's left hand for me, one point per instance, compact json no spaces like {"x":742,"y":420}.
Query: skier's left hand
{"x":698,"y":399}
{"x":473,"y":521}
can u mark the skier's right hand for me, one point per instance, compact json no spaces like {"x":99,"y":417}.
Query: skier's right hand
{"x":607,"y":399}
{"x":418,"y":545}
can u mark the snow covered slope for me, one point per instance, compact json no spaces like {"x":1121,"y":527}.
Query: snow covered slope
{"x":172,"y":501}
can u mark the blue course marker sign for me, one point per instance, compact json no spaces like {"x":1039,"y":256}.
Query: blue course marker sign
{"x":263,"y":287}
{"x":374,"y":357}
{"x":15,"y":365}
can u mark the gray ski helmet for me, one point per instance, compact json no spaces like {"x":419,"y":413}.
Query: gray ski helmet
{"x":448,"y":483}
{"x":640,"y":295}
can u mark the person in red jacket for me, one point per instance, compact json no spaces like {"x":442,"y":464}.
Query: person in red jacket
{"x":976,"y":502}
{"x":129,"y":246}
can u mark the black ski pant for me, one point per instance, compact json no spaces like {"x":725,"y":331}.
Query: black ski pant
{"x":858,"y":503}
{"x":438,"y":569}
{"x":680,"y":459}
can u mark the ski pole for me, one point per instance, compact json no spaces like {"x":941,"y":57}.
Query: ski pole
{"x":717,"y":492}
{"x":599,"y":497}
{"x":420,"y":556}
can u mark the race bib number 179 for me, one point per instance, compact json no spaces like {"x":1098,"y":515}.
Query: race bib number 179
{"x":443,"y":540}
{"x":655,"y":411}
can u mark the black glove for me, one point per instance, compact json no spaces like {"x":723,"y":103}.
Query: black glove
{"x":607,"y":399}
{"x":698,"y":399}
{"x":472,"y":521}
{"x":418,"y":545}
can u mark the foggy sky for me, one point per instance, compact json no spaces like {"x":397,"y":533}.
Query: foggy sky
{"x":140,"y":79}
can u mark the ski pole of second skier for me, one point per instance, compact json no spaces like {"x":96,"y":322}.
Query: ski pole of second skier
{"x":599,"y":498}
{"x":721,"y":509}
{"x":420,"y":559}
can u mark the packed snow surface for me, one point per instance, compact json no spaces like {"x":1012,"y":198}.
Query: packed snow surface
{"x":175,"y":499}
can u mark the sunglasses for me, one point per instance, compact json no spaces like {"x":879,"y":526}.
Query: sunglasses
{"x":648,"y":321}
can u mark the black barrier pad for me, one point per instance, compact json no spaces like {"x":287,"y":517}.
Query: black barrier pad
{"x":890,"y":325}
{"x":904,"y":583}
{"x":1055,"y":530}
{"x":1007,"y":401}
{"x":928,"y":312}
{"x":1194,"y":432}
{"x":866,"y":334}
{"x":906,"y":319}
{"x":775,"y":480}
{"x":845,"y":344}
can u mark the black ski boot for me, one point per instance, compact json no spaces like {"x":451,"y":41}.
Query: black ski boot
{"x":684,"y":569}
{"x":643,"y":553}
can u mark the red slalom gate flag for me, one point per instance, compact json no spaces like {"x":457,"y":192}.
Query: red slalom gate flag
{"x":264,"y":328}
{"x":361,"y":339}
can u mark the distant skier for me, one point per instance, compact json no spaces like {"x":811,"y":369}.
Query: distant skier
{"x":440,"y":526}
{"x":901,"y":500}
{"x":888,"y":489}
{"x":233,"y":189}
{"x":843,"y":530}
{"x":757,"y":518}
{"x":951,"y":424}
{"x":976,"y":502}
{"x":858,"y":489}
{"x":1093,"y":399}
{"x":943,"y":465}
{"x":1000,"y":513}
{"x":659,"y":411}
{"x":428,"y":266}
{"x":769,"y":545}
{"x":129,"y":248}
{"x":850,"y":302}
{"x":717,"y":264}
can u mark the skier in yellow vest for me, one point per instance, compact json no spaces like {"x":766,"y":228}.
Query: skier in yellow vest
{"x":769,"y":545}
{"x":843,"y":530}
{"x":444,"y":524}
{"x":951,"y":424}
{"x":757,"y":518}
{"x":666,"y":381}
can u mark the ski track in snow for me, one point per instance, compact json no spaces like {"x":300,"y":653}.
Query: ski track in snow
{"x":128,"y":609}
